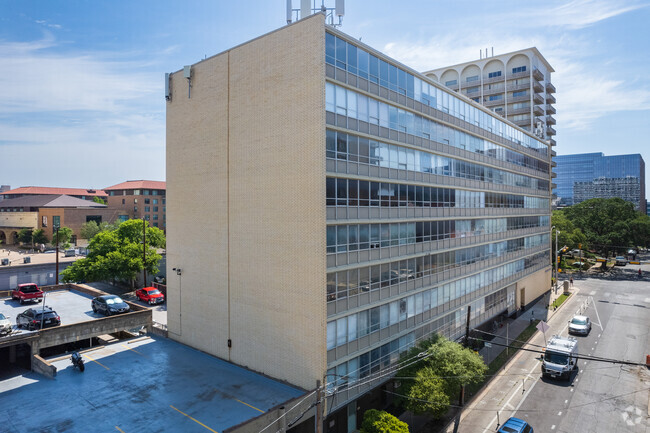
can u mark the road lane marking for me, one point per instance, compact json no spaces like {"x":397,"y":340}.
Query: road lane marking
{"x":592,"y":293}
{"x":260,"y":410}
{"x":599,"y":322}
{"x":132,"y":350}
{"x":566,"y":401}
{"x":196,"y":421}
{"x":599,"y":335}
{"x":553,"y":427}
{"x":87,"y":356}
{"x":119,"y":429}
{"x":559,"y":413}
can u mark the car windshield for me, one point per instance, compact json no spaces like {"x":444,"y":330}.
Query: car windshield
{"x":154,"y":292}
{"x":556,"y":357}
{"x":115,"y":300}
{"x":507,"y":429}
{"x":578,"y":321}
{"x":29,"y":289}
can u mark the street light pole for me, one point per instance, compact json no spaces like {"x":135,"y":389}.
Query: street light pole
{"x":144,"y":250}
{"x":56,"y":275}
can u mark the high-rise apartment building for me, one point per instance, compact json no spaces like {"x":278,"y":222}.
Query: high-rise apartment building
{"x":355,"y":207}
{"x":515,"y":85}
{"x":593,"y":175}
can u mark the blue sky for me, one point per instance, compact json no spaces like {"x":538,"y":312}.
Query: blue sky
{"x":82,"y":82}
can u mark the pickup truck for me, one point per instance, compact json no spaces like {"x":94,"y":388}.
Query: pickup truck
{"x":27,"y":292}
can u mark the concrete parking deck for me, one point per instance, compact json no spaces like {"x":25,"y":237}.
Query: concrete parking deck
{"x":147,"y":384}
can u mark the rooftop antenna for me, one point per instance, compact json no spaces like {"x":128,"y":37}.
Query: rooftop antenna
{"x":306,"y":9}
{"x":492,"y":51}
{"x":480,"y":53}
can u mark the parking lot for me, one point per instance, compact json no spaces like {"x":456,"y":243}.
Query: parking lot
{"x":147,"y":384}
{"x":71,"y":306}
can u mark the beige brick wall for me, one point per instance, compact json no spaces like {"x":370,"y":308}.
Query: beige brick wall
{"x":19,"y":219}
{"x":253,"y":257}
{"x":534,"y":285}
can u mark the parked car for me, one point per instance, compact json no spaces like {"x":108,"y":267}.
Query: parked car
{"x":580,"y":325}
{"x":620,"y":261}
{"x":27,"y":292}
{"x":33,"y":317}
{"x":109,"y":304}
{"x":5,"y":325}
{"x":150,"y":295}
{"x":515,"y":425}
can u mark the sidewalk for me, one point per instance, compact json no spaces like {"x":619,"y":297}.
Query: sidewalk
{"x":511,"y":328}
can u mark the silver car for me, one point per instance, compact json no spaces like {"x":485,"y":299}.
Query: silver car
{"x":5,"y":325}
{"x":580,"y":325}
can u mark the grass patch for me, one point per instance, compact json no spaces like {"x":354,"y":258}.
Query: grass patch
{"x":504,"y":356}
{"x":560,"y":300}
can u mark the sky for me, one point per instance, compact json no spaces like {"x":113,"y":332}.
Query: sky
{"x":82,"y":83}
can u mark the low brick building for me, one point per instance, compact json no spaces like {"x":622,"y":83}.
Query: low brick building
{"x":140,"y":199}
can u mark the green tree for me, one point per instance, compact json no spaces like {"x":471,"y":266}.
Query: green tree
{"x":25,"y":236}
{"x":606,"y":223}
{"x":88,"y":230}
{"x":446,"y":368}
{"x":640,"y":228}
{"x":98,"y":200}
{"x":379,"y":421}
{"x":427,"y":395}
{"x":64,"y":235}
{"x":39,"y":237}
{"x":117,"y":254}
{"x":570,"y":235}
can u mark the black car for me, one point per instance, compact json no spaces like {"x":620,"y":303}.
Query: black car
{"x":109,"y":304}
{"x":33,"y":317}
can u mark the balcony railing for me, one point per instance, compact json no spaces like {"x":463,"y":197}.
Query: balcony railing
{"x":550,"y":131}
{"x":500,"y":79}
{"x":521,"y":122}
{"x":550,"y":109}
{"x":453,"y":87}
{"x":537,"y":74}
{"x":550,"y":88}
{"x":524,"y":74}
{"x":553,"y":153}
{"x":489,"y":103}
{"x":522,"y":110}
{"x":553,"y":175}
{"x":550,"y":120}
{"x":521,"y":86}
{"x":553,"y":164}
{"x":538,"y":110}
{"x":493,"y":91}
{"x":537,"y":87}
{"x":524,"y":98}
{"x":553,"y":142}
{"x":538,"y":99}
{"x":550,"y":99}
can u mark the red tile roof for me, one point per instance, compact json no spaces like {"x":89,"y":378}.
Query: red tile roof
{"x":47,"y":190}
{"x":139,"y":184}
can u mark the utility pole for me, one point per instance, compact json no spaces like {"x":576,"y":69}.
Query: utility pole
{"x":318,"y":418}
{"x":461,"y":398}
{"x":56,"y":274}
{"x":144,"y":250}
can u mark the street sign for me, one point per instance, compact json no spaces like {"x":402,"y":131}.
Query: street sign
{"x":601,"y":260}
{"x":487,"y":344}
{"x":542,"y":326}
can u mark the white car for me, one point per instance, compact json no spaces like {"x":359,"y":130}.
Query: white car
{"x":5,"y":325}
{"x":580,"y":325}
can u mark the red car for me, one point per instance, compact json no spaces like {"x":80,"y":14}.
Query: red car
{"x":150,"y":295}
{"x":27,"y":292}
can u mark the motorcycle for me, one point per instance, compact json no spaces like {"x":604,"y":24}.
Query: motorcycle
{"x":77,"y":361}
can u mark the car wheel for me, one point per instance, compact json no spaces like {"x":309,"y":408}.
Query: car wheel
{"x":94,"y":309}
{"x":22,"y":301}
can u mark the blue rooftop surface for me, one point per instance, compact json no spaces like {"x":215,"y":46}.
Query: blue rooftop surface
{"x":143,"y":385}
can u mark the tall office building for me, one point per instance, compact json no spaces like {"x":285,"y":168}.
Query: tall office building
{"x":353,"y":207}
{"x":516,"y":85}
{"x":593,"y":175}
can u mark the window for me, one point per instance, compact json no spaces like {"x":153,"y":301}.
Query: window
{"x":136,"y":192}
{"x":155,"y":201}
{"x":147,"y":208}
{"x":44,"y":222}
{"x":135,"y":201}
{"x":122,"y":218}
{"x":155,"y":208}
{"x":472,"y":78}
{"x":155,"y":216}
{"x":495,"y":97}
{"x":147,"y":201}
{"x":56,"y":221}
{"x":123,"y":201}
{"x":451,"y":82}
{"x":494,"y":74}
{"x":146,"y":217}
{"x":518,"y":69}
{"x":145,"y":192}
{"x":519,"y":93}
{"x":155,"y":224}
{"x":135,"y":208}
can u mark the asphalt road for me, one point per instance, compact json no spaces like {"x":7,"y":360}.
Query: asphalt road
{"x":601,"y":396}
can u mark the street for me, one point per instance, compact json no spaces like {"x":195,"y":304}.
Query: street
{"x":601,"y":396}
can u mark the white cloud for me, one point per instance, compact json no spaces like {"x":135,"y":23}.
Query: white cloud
{"x":575,"y":14}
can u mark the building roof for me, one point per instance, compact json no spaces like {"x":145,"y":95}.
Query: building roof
{"x":139,"y":184}
{"x":534,"y":50}
{"x":44,"y":190}
{"x":53,"y":201}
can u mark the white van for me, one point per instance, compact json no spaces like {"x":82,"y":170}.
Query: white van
{"x":560,"y":357}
